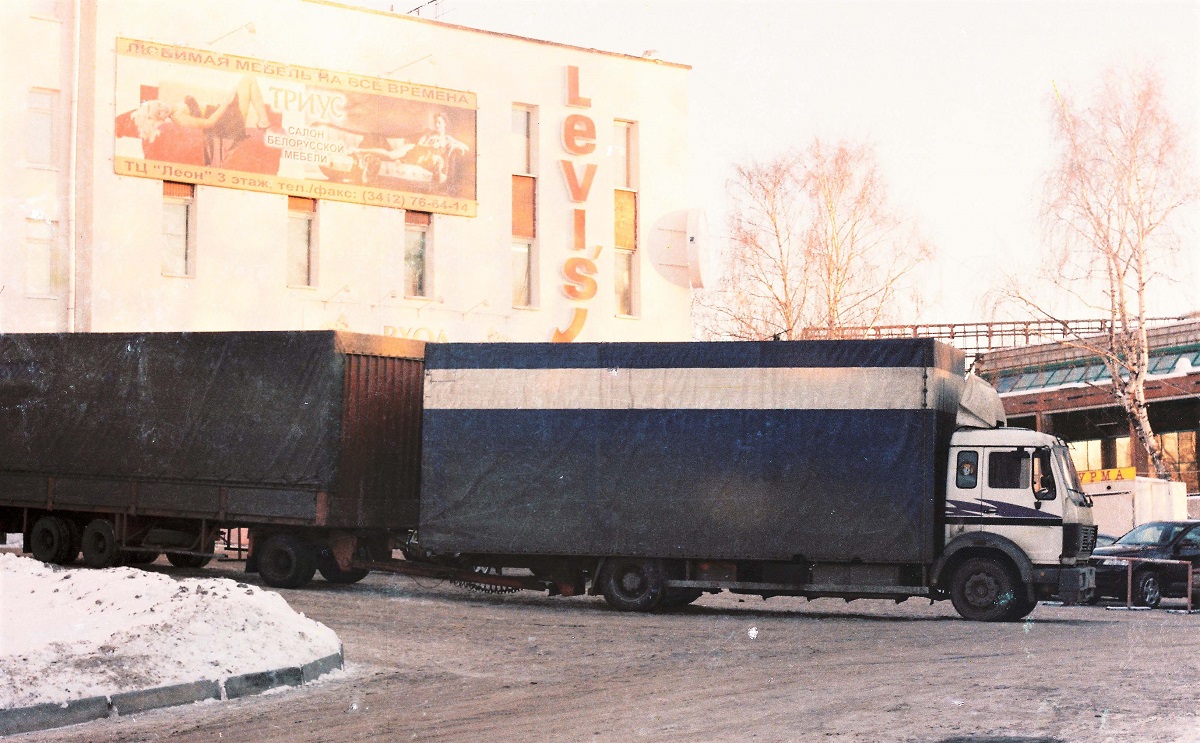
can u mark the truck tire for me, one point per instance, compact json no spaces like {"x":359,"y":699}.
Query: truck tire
{"x":633,"y":585}
{"x":141,"y":557}
{"x":1020,"y":608}
{"x":76,"y":535}
{"x":191,"y":561}
{"x":984,"y":590}
{"x":100,"y":547}
{"x":286,"y":561}
{"x":332,"y":573}
{"x":1147,"y":590}
{"x":50,"y":539}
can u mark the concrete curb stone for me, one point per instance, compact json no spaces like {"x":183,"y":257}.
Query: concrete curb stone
{"x":76,"y":711}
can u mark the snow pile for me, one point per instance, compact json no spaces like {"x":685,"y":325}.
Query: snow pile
{"x":73,"y":633}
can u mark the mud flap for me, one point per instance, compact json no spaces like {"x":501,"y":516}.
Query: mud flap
{"x":1076,"y":585}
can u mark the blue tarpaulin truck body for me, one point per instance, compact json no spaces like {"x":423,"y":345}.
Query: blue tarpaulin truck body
{"x":815,"y":451}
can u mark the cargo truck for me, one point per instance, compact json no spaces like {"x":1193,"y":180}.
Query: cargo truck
{"x":649,"y":473}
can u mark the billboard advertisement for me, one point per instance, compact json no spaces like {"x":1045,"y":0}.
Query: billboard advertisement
{"x":215,"y":119}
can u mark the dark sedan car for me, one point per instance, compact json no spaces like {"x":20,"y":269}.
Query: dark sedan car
{"x":1160,"y":540}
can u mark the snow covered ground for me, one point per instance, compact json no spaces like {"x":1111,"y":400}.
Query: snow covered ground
{"x":69,"y":633}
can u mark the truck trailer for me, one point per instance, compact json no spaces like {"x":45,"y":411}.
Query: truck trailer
{"x":649,"y":473}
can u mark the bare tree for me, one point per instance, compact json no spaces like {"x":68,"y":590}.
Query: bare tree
{"x":1121,"y":175}
{"x":813,"y":243}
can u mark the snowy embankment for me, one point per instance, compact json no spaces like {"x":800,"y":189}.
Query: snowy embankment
{"x":70,"y":633}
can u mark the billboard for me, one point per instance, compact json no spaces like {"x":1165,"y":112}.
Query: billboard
{"x":215,"y":119}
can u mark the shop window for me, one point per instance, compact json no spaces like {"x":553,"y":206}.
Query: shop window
{"x":301,"y":236}
{"x":179,"y":230}
{"x":39,"y":258}
{"x":41,"y":127}
{"x":524,"y":207}
{"x":416,"y":254}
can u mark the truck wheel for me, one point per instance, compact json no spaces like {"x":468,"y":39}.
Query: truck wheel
{"x":1147,"y":591}
{"x":1020,"y":608}
{"x":100,"y":548}
{"x":633,"y":585}
{"x":141,"y":557}
{"x":332,"y":573}
{"x":983,"y":590}
{"x":49,"y":539}
{"x":286,"y":561}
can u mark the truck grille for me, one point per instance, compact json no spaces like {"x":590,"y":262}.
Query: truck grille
{"x":1078,"y":540}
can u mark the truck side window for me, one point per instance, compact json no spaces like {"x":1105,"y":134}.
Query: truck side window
{"x":1043,"y":476}
{"x":967,"y":470}
{"x":1008,"y":469}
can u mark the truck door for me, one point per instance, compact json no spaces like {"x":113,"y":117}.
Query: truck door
{"x":963,"y":494}
{"x":1019,"y":500}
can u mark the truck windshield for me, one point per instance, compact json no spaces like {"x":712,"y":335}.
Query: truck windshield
{"x":1067,"y":467}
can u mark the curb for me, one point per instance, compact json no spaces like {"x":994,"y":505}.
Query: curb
{"x":76,"y":711}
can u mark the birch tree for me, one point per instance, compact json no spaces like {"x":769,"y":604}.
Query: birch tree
{"x":813,"y":243}
{"x":1121,"y":177}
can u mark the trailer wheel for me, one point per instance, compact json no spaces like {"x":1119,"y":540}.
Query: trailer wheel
{"x":100,"y":548}
{"x":983,"y":590}
{"x":286,"y":561}
{"x":75,"y":531}
{"x":332,"y":573}
{"x":50,"y":539}
{"x":141,"y":557}
{"x":633,"y":585}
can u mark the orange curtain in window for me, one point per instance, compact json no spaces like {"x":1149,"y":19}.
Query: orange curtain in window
{"x":625,"y":219}
{"x":523,"y":209}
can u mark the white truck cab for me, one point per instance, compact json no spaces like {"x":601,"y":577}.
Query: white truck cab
{"x":1014,"y":495}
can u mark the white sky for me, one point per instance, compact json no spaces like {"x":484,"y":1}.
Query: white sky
{"x":954,"y":95}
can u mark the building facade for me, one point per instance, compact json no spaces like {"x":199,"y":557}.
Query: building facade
{"x":303,"y":164}
{"x":1066,"y":391}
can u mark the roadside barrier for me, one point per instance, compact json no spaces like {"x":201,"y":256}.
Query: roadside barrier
{"x":1129,"y":561}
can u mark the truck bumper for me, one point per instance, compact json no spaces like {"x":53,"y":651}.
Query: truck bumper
{"x":1071,"y":585}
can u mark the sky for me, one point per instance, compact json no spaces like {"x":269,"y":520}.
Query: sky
{"x":955,"y":96}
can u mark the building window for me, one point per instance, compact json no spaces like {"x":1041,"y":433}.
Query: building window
{"x":301,"y":245}
{"x":522,"y":274}
{"x":40,"y":134}
{"x":625,"y":208}
{"x":179,"y":229}
{"x":416,"y":254}
{"x":524,"y":208}
{"x":39,"y":258}
{"x":1179,"y":454}
{"x":522,"y":140}
{"x":44,"y":9}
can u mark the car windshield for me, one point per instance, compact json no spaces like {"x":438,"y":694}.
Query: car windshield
{"x":1153,"y":533}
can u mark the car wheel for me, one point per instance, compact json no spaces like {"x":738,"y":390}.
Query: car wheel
{"x":633,"y":585}
{"x":1147,"y":591}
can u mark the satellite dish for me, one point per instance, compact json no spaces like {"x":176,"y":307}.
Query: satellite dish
{"x":702,"y":263}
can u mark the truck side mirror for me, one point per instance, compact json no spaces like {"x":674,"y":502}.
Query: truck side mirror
{"x":1044,"y":494}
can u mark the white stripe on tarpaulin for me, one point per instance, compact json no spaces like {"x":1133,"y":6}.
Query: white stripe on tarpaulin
{"x":807,"y":388}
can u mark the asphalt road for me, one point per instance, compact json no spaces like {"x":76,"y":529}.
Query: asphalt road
{"x":428,"y":661}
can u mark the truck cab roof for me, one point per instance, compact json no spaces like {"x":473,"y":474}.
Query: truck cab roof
{"x":1002,"y":437}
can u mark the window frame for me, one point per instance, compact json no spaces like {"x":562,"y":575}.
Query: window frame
{"x":51,"y":129}
{"x":33,"y":239}
{"x":418,"y":223}
{"x":188,"y":202}
{"x":300,"y":208}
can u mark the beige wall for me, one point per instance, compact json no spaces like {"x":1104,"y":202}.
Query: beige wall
{"x":240,"y":280}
